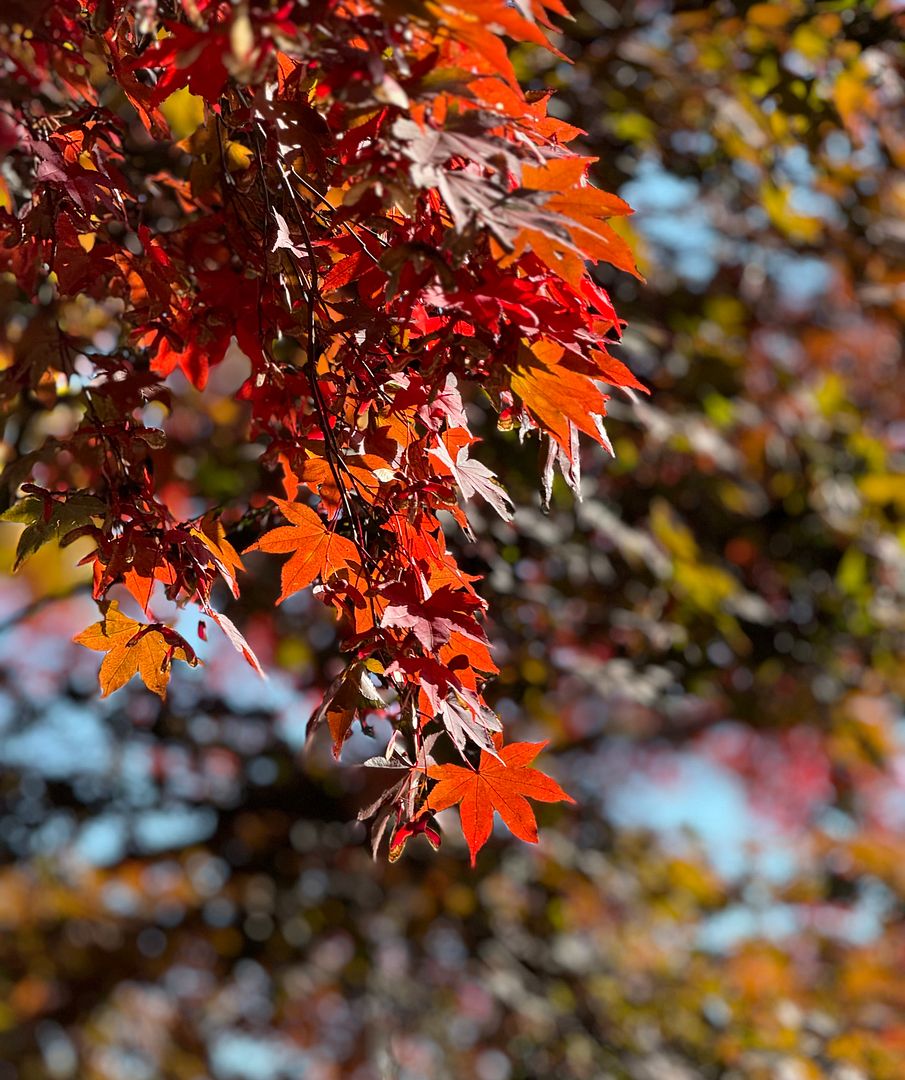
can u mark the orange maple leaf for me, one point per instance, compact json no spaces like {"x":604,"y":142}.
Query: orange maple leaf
{"x":361,"y":474}
{"x":211,"y":533}
{"x":316,"y":552}
{"x":580,"y":210}
{"x":134,"y":648}
{"x":502,"y":785}
{"x":556,"y":396}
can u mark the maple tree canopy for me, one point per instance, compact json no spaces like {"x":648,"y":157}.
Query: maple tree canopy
{"x":368,"y":207}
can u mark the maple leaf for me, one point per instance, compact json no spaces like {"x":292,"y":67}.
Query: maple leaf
{"x":421,"y":826}
{"x":146,"y":568}
{"x":614,"y":372}
{"x":284,"y":239}
{"x":571,"y":226}
{"x":559,"y":398}
{"x":360,"y":474}
{"x":434,"y":619}
{"x":464,"y":720}
{"x":315,"y":550}
{"x":397,"y":796}
{"x":346,"y":271}
{"x":467,"y":655}
{"x":350,"y":695}
{"x":47,"y":519}
{"x":474,"y":478}
{"x":237,"y":640}
{"x":502,"y":785}
{"x":194,"y":345}
{"x":433,"y":679}
{"x":134,"y":648}
{"x":446,"y":404}
{"x":211,"y":533}
{"x":187,"y":57}
{"x":569,"y":465}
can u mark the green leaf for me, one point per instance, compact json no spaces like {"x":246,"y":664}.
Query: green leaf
{"x":66,"y":516}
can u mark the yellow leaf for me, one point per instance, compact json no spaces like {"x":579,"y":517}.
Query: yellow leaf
{"x":148,"y":655}
{"x":238,"y":157}
{"x":770,"y":16}
{"x":672,"y":533}
{"x":796,"y":225}
{"x":851,"y":94}
{"x":184,"y":112}
{"x":884,"y":488}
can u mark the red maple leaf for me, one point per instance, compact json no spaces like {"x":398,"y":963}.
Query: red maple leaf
{"x":434,"y":619}
{"x":421,"y":826}
{"x":504,"y":786}
{"x":187,"y":57}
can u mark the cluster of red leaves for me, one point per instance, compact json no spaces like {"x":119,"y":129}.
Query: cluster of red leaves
{"x":374,"y":212}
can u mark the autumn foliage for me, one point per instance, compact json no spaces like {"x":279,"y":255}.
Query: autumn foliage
{"x":371,"y":210}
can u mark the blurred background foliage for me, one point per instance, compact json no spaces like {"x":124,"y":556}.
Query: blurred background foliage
{"x":712,"y":639}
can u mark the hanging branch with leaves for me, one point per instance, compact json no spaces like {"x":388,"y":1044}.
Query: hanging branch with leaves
{"x":372,"y":210}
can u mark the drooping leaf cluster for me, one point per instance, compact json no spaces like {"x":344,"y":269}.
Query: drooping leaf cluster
{"x":367,"y":207}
